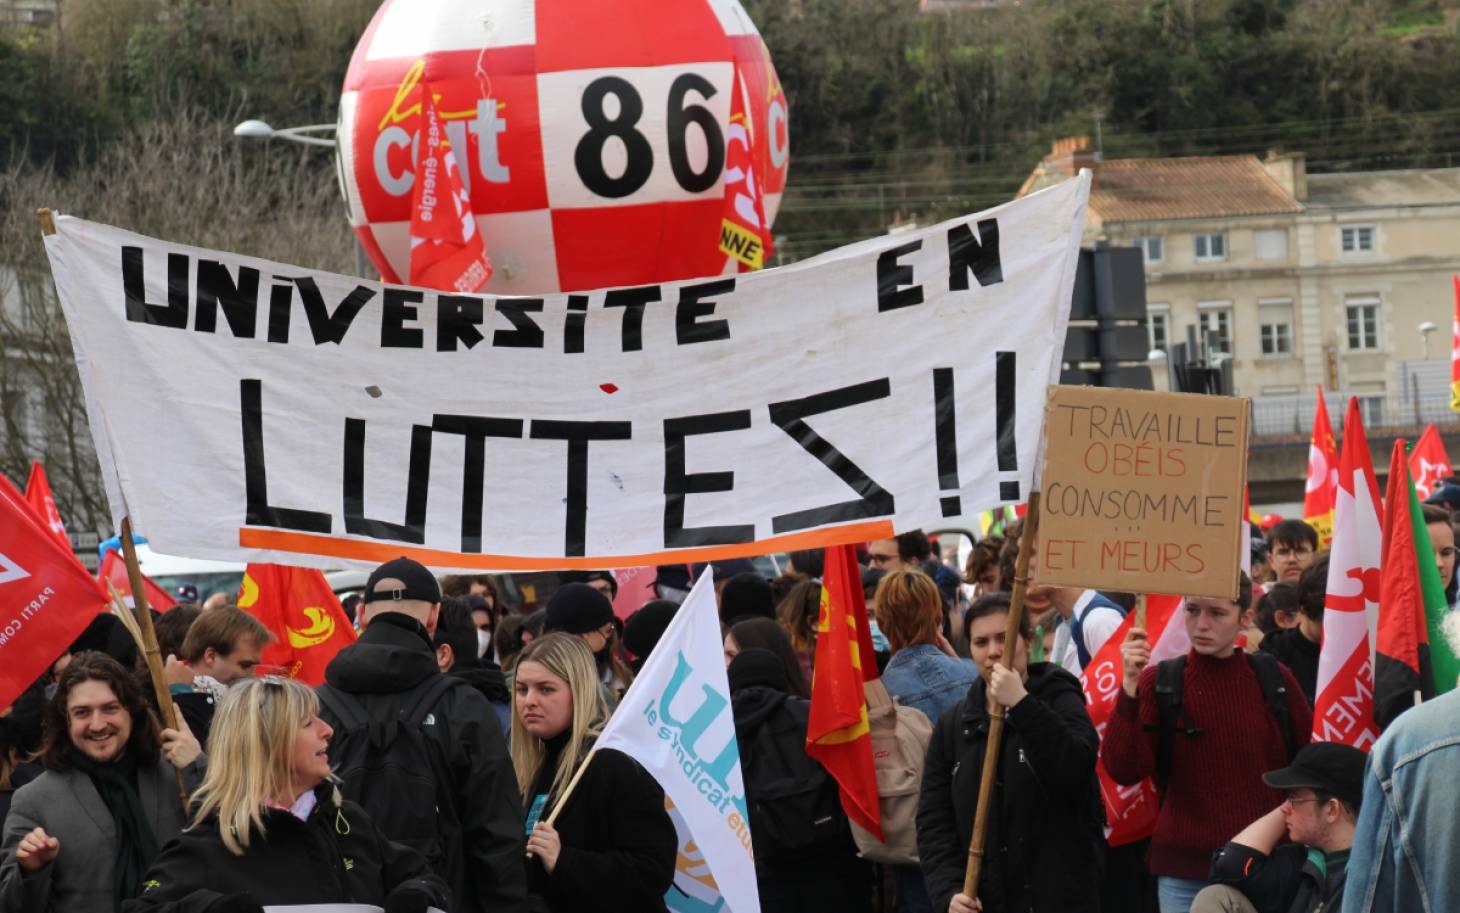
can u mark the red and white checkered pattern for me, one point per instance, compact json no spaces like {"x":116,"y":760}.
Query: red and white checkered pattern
{"x":511,"y":78}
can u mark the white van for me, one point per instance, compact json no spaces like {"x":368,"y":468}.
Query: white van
{"x":171,"y":572}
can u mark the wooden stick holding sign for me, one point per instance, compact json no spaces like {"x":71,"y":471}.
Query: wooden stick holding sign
{"x":996,"y":715}
{"x":140,"y":609}
{"x":1140,"y":611}
{"x":567,"y":791}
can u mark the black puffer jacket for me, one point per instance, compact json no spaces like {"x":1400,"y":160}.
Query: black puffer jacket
{"x":618,"y":842}
{"x":393,"y":656}
{"x":336,"y":856}
{"x":1045,"y":815}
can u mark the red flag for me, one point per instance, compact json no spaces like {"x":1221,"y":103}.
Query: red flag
{"x":1320,"y":492}
{"x":38,"y":493}
{"x":46,"y":598}
{"x":447,"y":251}
{"x":1455,"y":351}
{"x":1428,"y":462}
{"x":1344,"y":710}
{"x":113,"y":571}
{"x":837,"y":733}
{"x":297,"y":604}
{"x":745,"y":233}
{"x":1130,"y":811}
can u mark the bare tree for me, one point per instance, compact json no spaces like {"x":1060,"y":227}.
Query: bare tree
{"x":186,"y":179}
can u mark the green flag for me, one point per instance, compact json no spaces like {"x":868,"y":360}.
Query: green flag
{"x":1443,"y":661}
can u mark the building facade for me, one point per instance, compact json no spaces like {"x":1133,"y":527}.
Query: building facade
{"x":1338,"y":281}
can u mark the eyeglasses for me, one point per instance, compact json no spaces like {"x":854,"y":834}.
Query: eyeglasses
{"x":1299,"y":800}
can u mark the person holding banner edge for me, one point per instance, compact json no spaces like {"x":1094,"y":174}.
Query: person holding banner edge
{"x":599,"y":837}
{"x":79,"y":837}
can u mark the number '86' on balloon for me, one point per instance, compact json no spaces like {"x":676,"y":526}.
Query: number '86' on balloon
{"x":591,"y":136}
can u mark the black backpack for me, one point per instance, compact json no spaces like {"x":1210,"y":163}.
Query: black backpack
{"x":795,"y":806}
{"x":397,"y":772}
{"x":1172,"y":714}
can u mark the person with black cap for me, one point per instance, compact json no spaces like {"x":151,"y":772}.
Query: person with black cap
{"x":1252,"y":874}
{"x":584,"y":610}
{"x":472,"y":832}
{"x":802,"y":840}
{"x":644,"y":628}
{"x":746,"y":595}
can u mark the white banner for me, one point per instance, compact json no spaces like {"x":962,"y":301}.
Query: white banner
{"x":249,"y":410}
{"x":676,"y":721}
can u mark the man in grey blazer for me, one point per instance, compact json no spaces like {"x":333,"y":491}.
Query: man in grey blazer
{"x":80,"y":836}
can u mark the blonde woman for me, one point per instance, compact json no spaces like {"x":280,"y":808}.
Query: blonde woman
{"x":613,"y":845}
{"x":270,"y":827}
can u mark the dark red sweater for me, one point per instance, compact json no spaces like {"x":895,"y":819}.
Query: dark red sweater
{"x":1216,"y":786}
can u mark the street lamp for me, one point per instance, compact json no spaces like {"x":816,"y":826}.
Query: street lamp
{"x":1425,"y":329}
{"x":1159,"y":362}
{"x":257,"y":129}
{"x":305,"y":135}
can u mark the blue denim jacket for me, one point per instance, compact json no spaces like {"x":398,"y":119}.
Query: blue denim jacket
{"x":1406,"y":853}
{"x":925,"y":677}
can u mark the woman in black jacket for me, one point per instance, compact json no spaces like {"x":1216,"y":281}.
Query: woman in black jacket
{"x":613,"y":846}
{"x":270,"y":827}
{"x":1045,"y":814}
{"x":804,"y":852}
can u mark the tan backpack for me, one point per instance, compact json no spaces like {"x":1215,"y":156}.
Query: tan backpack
{"x":900,"y":737}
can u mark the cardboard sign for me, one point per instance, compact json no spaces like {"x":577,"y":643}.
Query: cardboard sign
{"x":1143,"y":491}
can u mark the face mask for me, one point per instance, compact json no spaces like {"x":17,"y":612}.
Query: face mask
{"x":484,"y":642}
{"x":879,"y":640}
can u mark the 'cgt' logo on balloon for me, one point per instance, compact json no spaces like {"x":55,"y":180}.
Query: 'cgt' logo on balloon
{"x":321,"y":628}
{"x":591,"y":137}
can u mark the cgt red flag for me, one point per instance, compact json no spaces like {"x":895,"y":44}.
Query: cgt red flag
{"x":447,"y":251}
{"x":46,"y":598}
{"x":1428,"y":462}
{"x":838,"y":734}
{"x":745,"y":233}
{"x":38,"y":493}
{"x":113,"y":571}
{"x":297,"y":604}
{"x":1344,"y":709}
{"x":1455,"y":350}
{"x":1130,"y":811}
{"x":1322,"y":485}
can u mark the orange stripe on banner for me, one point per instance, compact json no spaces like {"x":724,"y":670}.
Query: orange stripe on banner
{"x":328,"y":546}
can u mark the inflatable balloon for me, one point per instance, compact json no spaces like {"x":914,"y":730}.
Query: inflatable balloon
{"x":591,"y":136}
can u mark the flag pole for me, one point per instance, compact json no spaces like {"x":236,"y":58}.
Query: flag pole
{"x":568,"y":791}
{"x":142,"y":610}
{"x":150,"y":650}
{"x":996,"y":715}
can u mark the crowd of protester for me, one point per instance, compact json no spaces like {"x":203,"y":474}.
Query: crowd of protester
{"x":428,"y":769}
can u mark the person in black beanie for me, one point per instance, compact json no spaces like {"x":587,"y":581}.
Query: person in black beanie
{"x":746,"y":595}
{"x":585,"y":611}
{"x":645,"y":627}
{"x":770,"y":728}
